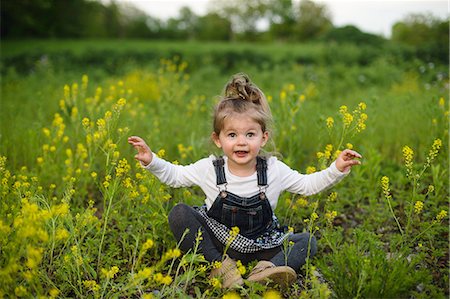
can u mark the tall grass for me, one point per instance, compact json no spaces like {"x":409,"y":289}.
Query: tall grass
{"x":80,"y":219}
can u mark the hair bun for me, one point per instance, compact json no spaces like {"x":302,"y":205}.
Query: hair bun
{"x":240,"y":86}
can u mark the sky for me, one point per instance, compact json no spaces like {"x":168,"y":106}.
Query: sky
{"x":373,"y":16}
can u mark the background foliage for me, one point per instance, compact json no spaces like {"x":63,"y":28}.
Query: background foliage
{"x":224,"y":21}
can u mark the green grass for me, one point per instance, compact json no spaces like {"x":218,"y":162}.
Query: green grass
{"x":61,"y":224}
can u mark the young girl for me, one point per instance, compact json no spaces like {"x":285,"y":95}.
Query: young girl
{"x":242,"y":189}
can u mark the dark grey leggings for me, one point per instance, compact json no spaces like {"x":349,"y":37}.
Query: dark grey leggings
{"x":183,"y":217}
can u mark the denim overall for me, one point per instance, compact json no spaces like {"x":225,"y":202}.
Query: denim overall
{"x":252,"y":215}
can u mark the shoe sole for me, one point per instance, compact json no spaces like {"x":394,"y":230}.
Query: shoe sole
{"x":283,"y":276}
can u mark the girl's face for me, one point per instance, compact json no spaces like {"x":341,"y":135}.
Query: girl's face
{"x":241,"y":138}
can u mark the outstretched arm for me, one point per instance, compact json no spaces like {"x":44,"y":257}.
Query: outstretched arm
{"x":347,"y":159}
{"x":144,"y":154}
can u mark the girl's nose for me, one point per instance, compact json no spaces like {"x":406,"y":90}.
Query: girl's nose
{"x":242,"y":139}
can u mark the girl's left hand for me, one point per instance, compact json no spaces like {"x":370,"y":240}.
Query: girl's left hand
{"x":346,"y":160}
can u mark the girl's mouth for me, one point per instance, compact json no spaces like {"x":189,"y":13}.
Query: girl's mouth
{"x":240,"y":153}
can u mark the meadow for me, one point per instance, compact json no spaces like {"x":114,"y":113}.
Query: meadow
{"x":81,"y":219}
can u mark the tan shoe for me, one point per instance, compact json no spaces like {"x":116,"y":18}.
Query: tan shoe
{"x":231,"y":277}
{"x":284,"y":276}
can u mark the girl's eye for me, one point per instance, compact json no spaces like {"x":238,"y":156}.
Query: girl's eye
{"x":232,"y":135}
{"x":250,"y":134}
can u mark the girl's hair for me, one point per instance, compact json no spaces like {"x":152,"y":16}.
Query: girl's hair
{"x":242,"y":96}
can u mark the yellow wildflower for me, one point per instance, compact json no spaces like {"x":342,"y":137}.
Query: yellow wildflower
{"x":161,"y":153}
{"x":302,"y":202}
{"x":234,"y":231}
{"x":4,"y":229}
{"x":109,"y":274}
{"x":332,"y":196}
{"x":108,"y":115}
{"x":215,"y":282}
{"x":272,"y":294}
{"x":173,"y":253}
{"x":202,"y":268}
{"x":106,"y":182}
{"x":46,"y":132}
{"x":60,"y":210}
{"x":62,"y":105}
{"x":408,"y":155}
{"x":385,"y":187}
{"x":162,"y":279}
{"x":347,"y":118}
{"x":122,"y":168}
{"x":20,"y":291}
{"x":145,"y":273}
{"x":434,"y":150}
{"x":418,"y":206}
{"x":74,"y":112}
{"x":330,"y":122}
{"x":121,"y":102}
{"x":329,"y":216}
{"x":231,"y":295}
{"x":282,"y":95}
{"x":148,"y":244}
{"x":361,"y":126}
{"x":310,"y":169}
{"x":61,"y":234}
{"x":166,"y":280}
{"x":54,"y":293}
{"x":241,"y":267}
{"x":34,"y":256}
{"x":74,"y":90}
{"x":216,"y":265}
{"x":84,"y":81}
{"x":101,"y":124}
{"x":91,"y":285}
{"x":442,"y":214}
{"x":116,"y":155}
{"x":128,"y":183}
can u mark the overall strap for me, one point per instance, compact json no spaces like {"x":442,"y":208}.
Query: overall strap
{"x":261,"y":170}
{"x":220,"y":171}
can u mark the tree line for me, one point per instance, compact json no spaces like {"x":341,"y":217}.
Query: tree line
{"x":232,"y":20}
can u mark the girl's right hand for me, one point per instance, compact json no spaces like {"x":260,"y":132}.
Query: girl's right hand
{"x":144,"y":154}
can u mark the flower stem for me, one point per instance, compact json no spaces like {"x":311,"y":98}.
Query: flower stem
{"x":393,"y":214}
{"x":104,"y":226}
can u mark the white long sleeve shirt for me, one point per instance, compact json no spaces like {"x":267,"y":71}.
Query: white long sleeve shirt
{"x":280,"y":177}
